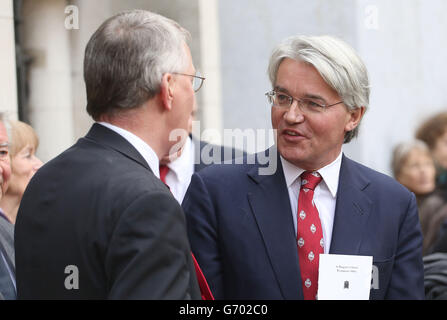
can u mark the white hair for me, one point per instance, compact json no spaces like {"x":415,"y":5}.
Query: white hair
{"x":337,"y":63}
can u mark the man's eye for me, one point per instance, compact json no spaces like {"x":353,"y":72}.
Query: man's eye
{"x":313,"y":104}
{"x":3,"y":153}
{"x":282,"y":98}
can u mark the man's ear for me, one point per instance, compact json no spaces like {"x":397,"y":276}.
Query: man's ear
{"x":355,"y":117}
{"x":167,"y":90}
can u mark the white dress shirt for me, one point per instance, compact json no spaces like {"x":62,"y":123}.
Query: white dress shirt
{"x":325,"y":194}
{"x":142,"y":147}
{"x":181,"y":171}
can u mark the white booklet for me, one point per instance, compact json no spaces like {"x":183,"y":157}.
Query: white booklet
{"x":344,"y":277}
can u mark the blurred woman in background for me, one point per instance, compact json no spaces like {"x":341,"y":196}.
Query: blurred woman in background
{"x":434,"y":133}
{"x":24,"y":163}
{"x":414,"y":167}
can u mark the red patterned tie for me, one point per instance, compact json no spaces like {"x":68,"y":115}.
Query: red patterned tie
{"x":309,"y":235}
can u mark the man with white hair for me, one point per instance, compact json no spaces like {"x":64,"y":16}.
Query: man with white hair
{"x":260,"y":236}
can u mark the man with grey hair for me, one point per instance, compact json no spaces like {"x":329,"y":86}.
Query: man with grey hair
{"x":260,"y":236}
{"x":96,"y":222}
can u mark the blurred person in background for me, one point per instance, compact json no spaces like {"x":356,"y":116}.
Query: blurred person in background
{"x":434,"y":133}
{"x":7,"y":257}
{"x":177,"y":169}
{"x":24,"y":164}
{"x":413,"y":166}
{"x":433,"y":211}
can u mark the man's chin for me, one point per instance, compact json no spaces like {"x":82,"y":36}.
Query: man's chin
{"x":291,"y":154}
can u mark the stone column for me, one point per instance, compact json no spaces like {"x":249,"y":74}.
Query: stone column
{"x":8,"y":79}
{"x":46,"y":40}
{"x":211,"y":103}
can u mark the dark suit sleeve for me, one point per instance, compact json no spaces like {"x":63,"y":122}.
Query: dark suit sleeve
{"x":203,"y":233}
{"x":149,"y":253}
{"x":407,"y":280}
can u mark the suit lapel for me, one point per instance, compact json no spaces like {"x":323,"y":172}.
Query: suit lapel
{"x":352,"y":210}
{"x":198,"y":146}
{"x":270,"y":205}
{"x":109,"y":138}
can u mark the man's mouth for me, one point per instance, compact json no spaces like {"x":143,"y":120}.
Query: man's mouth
{"x":291,"y":133}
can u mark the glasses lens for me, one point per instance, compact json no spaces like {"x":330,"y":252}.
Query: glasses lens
{"x":197,"y":81}
{"x":280,"y":99}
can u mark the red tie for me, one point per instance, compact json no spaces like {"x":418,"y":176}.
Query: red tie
{"x":203,"y":284}
{"x":163,"y":172}
{"x":309,"y":235}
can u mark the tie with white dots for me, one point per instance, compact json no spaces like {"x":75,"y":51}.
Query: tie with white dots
{"x":309,"y":234}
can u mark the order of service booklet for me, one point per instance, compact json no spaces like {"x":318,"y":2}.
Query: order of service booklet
{"x":344,"y":277}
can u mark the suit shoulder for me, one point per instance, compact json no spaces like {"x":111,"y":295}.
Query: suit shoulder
{"x":235,"y":168}
{"x":95,"y":167}
{"x":376,"y":178}
{"x":222,"y":174}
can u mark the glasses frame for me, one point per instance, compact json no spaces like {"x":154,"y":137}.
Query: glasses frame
{"x":272,"y":93}
{"x":195,"y":76}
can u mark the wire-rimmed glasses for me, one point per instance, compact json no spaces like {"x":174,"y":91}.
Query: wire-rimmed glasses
{"x":197,"y":80}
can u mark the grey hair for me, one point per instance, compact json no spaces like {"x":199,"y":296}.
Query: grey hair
{"x":126,"y":58}
{"x":337,"y":63}
{"x":402,"y":151}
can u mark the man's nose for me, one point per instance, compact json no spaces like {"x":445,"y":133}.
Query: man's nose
{"x":294,"y":114}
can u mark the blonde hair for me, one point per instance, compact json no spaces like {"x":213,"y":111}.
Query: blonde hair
{"x":22,"y":134}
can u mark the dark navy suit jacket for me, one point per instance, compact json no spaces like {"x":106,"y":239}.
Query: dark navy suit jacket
{"x":241,"y":231}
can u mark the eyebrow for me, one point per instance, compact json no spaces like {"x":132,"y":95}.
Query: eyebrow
{"x":307,"y":95}
{"x":278,"y":88}
{"x":4,"y":144}
{"x":315,"y":97}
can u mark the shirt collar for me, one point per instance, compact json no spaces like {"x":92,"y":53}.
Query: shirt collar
{"x":329,"y":173}
{"x":142,"y":147}
{"x":183,"y":166}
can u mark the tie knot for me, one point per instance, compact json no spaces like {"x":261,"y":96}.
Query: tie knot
{"x":310,"y":180}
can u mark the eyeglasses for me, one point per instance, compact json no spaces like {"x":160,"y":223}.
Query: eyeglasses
{"x":283,"y":100}
{"x":197,"y":81}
